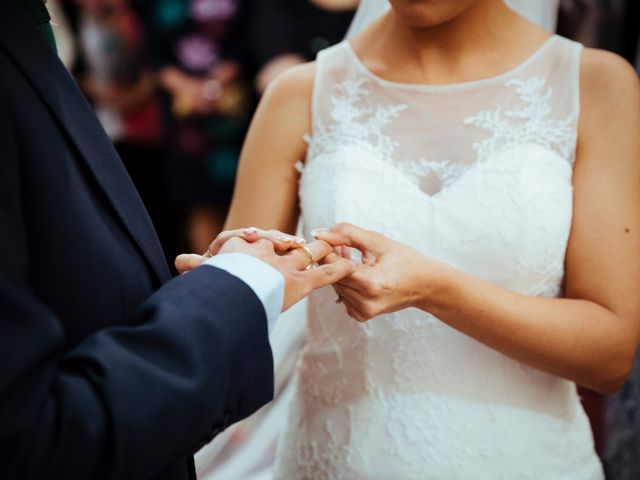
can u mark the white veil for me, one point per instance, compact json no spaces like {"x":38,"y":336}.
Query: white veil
{"x":542,"y":12}
{"x":368,"y":12}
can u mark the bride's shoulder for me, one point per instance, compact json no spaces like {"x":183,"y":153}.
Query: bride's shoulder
{"x":606,"y":76}
{"x":293,"y":85}
{"x":609,"y":106}
{"x":286,"y":103}
{"x":609,"y":88}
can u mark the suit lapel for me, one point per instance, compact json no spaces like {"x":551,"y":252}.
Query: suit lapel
{"x":53,"y":83}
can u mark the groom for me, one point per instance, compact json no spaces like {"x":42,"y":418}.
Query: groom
{"x":100,"y":377}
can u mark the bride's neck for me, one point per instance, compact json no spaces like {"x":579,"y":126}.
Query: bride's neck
{"x":488,"y":35}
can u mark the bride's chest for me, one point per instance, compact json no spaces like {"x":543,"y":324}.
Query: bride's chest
{"x":506,"y":218}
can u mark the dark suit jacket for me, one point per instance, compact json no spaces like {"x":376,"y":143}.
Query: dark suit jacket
{"x":100,"y":377}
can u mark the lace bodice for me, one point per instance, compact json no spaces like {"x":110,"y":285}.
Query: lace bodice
{"x":478,"y":175}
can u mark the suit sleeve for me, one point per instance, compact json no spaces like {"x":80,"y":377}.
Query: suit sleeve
{"x":127,"y":402}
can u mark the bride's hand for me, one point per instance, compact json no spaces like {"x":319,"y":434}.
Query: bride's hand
{"x":392,"y":276}
{"x":282,"y":243}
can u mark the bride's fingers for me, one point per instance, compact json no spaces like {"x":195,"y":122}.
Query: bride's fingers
{"x":346,"y":290}
{"x":284,"y":242}
{"x":352,"y":309}
{"x":344,"y":247}
{"x":354,"y":303}
{"x":247,"y":234}
{"x":331,"y":257}
{"x":344,"y":252}
{"x":356,"y":280}
{"x":328,"y":274}
{"x":281,"y":241}
{"x":346,"y":234}
{"x":188,"y":261}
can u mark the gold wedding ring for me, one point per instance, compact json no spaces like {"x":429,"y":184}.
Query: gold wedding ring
{"x":309,"y":254}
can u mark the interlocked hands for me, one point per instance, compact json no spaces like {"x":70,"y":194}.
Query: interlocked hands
{"x":291,"y":256}
{"x":391,"y":276}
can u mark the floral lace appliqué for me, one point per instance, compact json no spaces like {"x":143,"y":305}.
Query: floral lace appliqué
{"x":532,"y":124}
{"x":356,"y":122}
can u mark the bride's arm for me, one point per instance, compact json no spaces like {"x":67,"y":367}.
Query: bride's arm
{"x":266,"y":192}
{"x":591,"y":336}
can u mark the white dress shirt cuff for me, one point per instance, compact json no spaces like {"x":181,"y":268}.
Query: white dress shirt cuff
{"x":266,"y":282}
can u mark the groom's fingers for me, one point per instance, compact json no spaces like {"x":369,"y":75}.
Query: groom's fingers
{"x":329,"y":274}
{"x":187,"y":262}
{"x":309,"y":254}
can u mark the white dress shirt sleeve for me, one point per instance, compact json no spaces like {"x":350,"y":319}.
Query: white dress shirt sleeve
{"x":266,"y":282}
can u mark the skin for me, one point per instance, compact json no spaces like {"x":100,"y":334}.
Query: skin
{"x":284,"y":255}
{"x":589,"y":337}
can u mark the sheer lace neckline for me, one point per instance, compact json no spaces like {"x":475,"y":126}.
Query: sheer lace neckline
{"x":450,"y":86}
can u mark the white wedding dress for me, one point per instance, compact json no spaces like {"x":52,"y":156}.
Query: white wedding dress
{"x":478,"y":175}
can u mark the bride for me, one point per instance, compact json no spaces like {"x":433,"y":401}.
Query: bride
{"x":496,"y":171}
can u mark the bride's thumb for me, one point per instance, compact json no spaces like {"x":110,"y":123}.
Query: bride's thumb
{"x":347,"y":234}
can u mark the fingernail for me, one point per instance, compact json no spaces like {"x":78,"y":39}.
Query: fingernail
{"x":299,"y":241}
{"x":284,"y":238}
{"x":250,"y":230}
{"x":318,"y":231}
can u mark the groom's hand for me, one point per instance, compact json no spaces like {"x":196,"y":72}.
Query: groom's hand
{"x":288,"y":255}
{"x":281,"y":241}
{"x":300,"y":280}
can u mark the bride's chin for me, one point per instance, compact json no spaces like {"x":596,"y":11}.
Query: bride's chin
{"x":429,"y":13}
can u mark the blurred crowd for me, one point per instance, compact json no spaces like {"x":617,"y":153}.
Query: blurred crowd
{"x":175,"y":82}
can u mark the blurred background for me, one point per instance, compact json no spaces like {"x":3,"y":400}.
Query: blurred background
{"x":175,"y":83}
